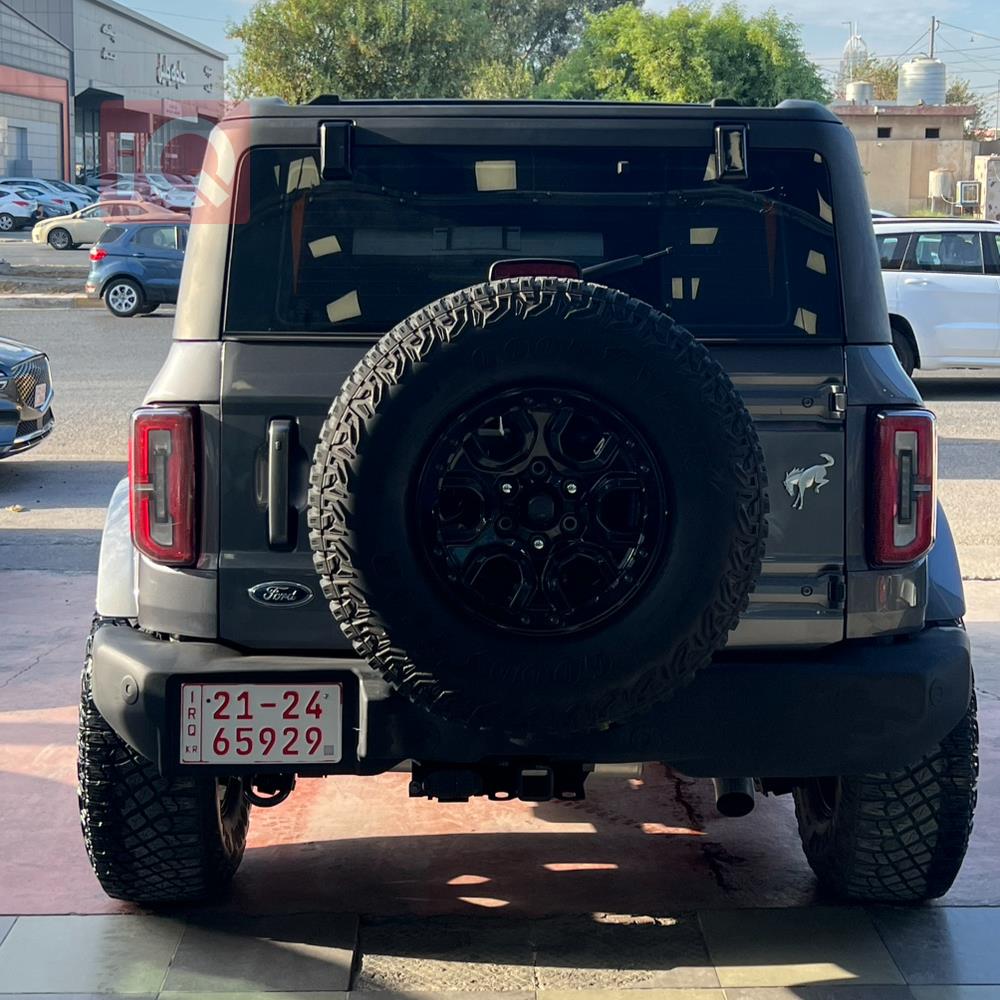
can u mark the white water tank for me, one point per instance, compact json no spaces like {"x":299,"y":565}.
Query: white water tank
{"x":860,"y":92}
{"x":941,"y":184}
{"x":922,"y":81}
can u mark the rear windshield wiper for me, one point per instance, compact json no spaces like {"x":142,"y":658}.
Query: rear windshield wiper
{"x":623,"y":263}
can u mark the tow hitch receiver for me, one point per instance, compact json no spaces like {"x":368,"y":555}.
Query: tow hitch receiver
{"x":500,"y":780}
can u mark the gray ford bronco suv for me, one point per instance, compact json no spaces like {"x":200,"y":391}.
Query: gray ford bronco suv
{"x":504,"y":442}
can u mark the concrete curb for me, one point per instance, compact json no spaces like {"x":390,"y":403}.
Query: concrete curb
{"x":48,"y":300}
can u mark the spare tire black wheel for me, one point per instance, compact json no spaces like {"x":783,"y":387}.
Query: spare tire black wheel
{"x":538,"y":505}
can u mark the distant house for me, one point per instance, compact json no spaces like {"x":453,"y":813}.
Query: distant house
{"x":901,"y":145}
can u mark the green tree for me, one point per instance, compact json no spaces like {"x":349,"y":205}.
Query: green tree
{"x":882,"y":74}
{"x":405,"y":48}
{"x":691,"y":53}
{"x":961,"y":92}
{"x":536,"y":34}
{"x":297,"y":49}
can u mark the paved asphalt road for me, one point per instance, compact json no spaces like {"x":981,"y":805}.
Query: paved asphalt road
{"x":17,"y":249}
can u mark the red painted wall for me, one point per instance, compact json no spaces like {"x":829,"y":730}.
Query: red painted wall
{"x":22,"y":83}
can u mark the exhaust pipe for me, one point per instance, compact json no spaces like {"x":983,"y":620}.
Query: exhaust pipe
{"x":734,"y":796}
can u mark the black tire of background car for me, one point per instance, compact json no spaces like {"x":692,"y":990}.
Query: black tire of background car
{"x":149,"y":308}
{"x":514,"y":334}
{"x":904,"y":351}
{"x":60,"y":239}
{"x":898,"y":837}
{"x":152,"y":839}
{"x":7,"y":223}
{"x":118,"y":283}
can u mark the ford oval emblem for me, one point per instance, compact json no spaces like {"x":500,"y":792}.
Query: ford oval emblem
{"x":281,"y":594}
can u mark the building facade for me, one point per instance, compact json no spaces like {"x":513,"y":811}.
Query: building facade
{"x":908,"y":151}
{"x":35,"y":99}
{"x":144,"y":96}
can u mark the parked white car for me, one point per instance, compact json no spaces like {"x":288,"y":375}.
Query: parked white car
{"x":50,"y":192}
{"x":16,"y":211}
{"x":942,"y":287}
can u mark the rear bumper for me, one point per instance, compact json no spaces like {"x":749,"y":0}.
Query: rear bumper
{"x":854,"y":708}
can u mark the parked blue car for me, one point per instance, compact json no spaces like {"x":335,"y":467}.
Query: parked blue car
{"x":136,"y":266}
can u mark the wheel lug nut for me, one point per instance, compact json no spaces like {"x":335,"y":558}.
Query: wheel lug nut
{"x":507,"y":488}
{"x":538,"y":543}
{"x":571,"y":489}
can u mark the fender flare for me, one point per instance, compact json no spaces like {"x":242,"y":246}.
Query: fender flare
{"x":945,"y":593}
{"x":116,"y":568}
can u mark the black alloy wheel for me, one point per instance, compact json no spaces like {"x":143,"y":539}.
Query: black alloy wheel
{"x":541,"y":510}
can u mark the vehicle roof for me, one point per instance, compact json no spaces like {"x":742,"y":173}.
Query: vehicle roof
{"x":914,"y":224}
{"x":719,"y":110}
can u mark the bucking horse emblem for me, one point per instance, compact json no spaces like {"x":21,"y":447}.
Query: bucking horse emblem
{"x":797,"y":481}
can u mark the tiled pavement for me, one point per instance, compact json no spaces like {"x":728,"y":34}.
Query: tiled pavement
{"x":819,"y":953}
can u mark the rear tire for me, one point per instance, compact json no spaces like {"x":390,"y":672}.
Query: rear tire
{"x":123,"y":297}
{"x":898,"y":837}
{"x":152,"y":839}
{"x":7,"y":223}
{"x":903,"y":347}
{"x":150,"y":308}
{"x":60,"y":239}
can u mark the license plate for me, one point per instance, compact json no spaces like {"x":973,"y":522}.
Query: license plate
{"x":261,"y":723}
{"x":41,"y":391}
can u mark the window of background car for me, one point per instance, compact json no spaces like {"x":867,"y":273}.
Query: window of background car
{"x":992,"y":241}
{"x":111,"y":234}
{"x":948,"y":252}
{"x":159,"y":237}
{"x":413,"y":223}
{"x":891,"y":249}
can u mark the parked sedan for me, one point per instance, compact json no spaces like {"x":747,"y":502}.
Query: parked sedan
{"x":51,"y":202}
{"x":942,"y":287}
{"x":25,"y":398}
{"x":68,"y":231}
{"x":63,"y":193}
{"x":16,"y":211}
{"x":136,"y":266}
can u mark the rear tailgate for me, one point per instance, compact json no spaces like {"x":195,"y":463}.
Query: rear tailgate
{"x":799,"y":415}
{"x":263,"y":384}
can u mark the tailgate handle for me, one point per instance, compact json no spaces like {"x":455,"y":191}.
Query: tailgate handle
{"x":279,"y":433}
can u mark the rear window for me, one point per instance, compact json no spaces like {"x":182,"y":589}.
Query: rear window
{"x":111,"y":234}
{"x":754,"y":259}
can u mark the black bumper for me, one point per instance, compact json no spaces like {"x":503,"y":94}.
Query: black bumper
{"x":853,"y":708}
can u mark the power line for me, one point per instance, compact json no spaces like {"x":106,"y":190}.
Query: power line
{"x":969,"y":31}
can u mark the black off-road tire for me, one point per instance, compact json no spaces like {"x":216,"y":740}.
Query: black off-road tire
{"x":152,"y":839}
{"x":903,"y":347}
{"x":507,"y":336}
{"x":898,"y":837}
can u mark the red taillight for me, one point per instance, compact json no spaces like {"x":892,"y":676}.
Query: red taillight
{"x":22,"y":204}
{"x":161,"y":477}
{"x":98,"y":253}
{"x":905,"y":463}
{"x":533,"y":268}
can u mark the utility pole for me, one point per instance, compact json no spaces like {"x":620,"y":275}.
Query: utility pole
{"x":934,"y":25}
{"x":996,"y":127}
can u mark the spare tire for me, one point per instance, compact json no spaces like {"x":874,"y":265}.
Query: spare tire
{"x":538,"y":505}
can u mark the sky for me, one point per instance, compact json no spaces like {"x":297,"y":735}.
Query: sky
{"x":968,"y":41}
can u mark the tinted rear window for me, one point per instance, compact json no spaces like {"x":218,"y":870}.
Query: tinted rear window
{"x":111,"y":234}
{"x":754,"y":259}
